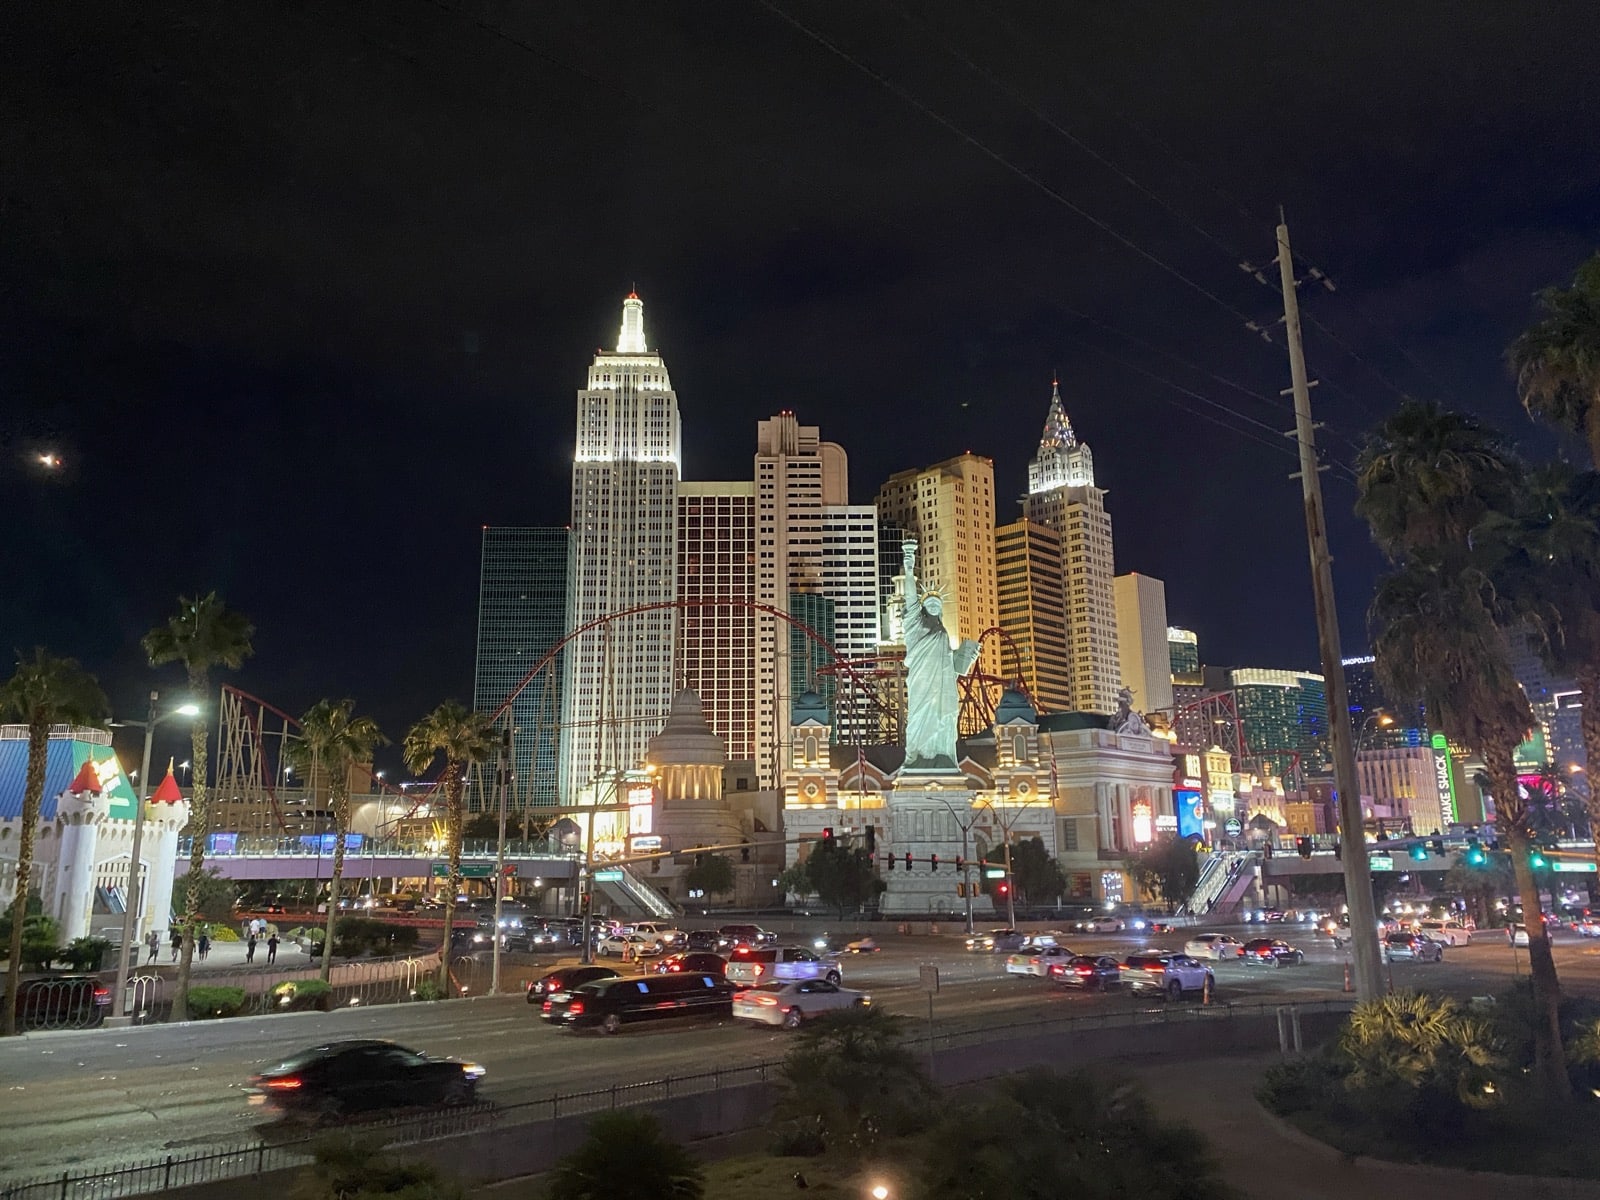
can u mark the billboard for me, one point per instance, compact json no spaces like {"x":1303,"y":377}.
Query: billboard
{"x":1191,"y":808}
{"x":1444,"y":781}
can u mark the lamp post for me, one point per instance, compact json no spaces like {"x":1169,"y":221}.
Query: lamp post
{"x":135,"y":899}
{"x":1011,"y":884}
{"x":966,"y":857}
{"x":503,"y":773}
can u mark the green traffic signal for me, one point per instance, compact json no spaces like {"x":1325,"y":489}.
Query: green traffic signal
{"x":1475,"y":855}
{"x":1538,"y":861}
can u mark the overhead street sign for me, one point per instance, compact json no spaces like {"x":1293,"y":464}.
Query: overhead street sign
{"x":468,"y":870}
{"x":994,"y":872}
{"x":610,"y":875}
{"x":1380,"y":862}
{"x":1575,"y":867}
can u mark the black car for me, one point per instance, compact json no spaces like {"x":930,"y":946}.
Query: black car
{"x":360,"y":1076}
{"x":62,"y":1002}
{"x":612,"y":1003}
{"x":1087,"y":971}
{"x":731,"y":937}
{"x":1270,"y":952}
{"x":536,"y":936}
{"x":702,"y":939}
{"x":698,"y":961}
{"x":565,"y":980}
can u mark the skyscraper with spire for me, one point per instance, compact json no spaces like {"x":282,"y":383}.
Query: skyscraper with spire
{"x":1062,"y":496}
{"x":617,"y":677}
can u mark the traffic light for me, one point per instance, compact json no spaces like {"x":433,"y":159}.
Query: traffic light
{"x":1303,"y":846}
{"x":827,"y":837}
{"x":1475,"y":855}
{"x":1338,"y":850}
{"x":1002,"y":888}
{"x":908,"y":860}
{"x":961,"y":863}
{"x":933,"y":862}
{"x":583,"y":902}
{"x":1537,"y":860}
{"x":871,"y":834}
{"x":961,"y":889}
{"x":890,"y":859}
{"x":1419,"y":853}
{"x":1437,"y":844}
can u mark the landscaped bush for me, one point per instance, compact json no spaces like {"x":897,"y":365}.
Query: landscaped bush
{"x":301,"y":995}
{"x":426,"y":989}
{"x":356,"y":936}
{"x":85,"y":953}
{"x":224,"y":933}
{"x":207,"y":1003}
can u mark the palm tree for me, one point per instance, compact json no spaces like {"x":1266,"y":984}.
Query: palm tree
{"x":1557,"y":359}
{"x":45,"y":691}
{"x":331,"y":743}
{"x":1437,"y":637}
{"x":205,"y":633}
{"x":463,"y":737}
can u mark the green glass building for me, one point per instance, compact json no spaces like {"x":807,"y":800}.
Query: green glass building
{"x":522,"y":613}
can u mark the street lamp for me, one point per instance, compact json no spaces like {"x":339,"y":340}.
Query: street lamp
{"x":966,"y":855}
{"x":134,"y":900}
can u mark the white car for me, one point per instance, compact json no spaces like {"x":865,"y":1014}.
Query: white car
{"x":634,"y":945}
{"x":1449,"y":933}
{"x":1037,"y":961}
{"x":663,"y":935}
{"x":1105,"y":924}
{"x":1517,"y":935}
{"x":1166,"y":972}
{"x":781,"y":964}
{"x":793,"y":1002}
{"x":1216,"y":946}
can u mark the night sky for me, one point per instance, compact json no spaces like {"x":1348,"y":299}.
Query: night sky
{"x":302,"y":293}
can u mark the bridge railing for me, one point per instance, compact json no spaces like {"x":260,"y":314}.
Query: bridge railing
{"x":315,"y":846}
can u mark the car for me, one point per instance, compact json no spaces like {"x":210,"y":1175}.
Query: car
{"x":730,"y":936}
{"x":996,"y":941}
{"x":1037,"y":960}
{"x":1170,"y":974}
{"x":664,"y":935}
{"x":1517,"y":935}
{"x":1271,"y":952}
{"x":628,"y":945}
{"x":1101,"y":924}
{"x":62,"y":1002}
{"x":692,"y":961}
{"x":609,"y":1004}
{"x":1449,"y":933}
{"x":1086,"y":971}
{"x":749,"y":966}
{"x":565,"y":980}
{"x":1588,"y":927}
{"x":360,"y":1076}
{"x":701,"y":939}
{"x":794,"y":1002}
{"x":1272,"y":915}
{"x":1214,"y":946}
{"x":1413,"y":947}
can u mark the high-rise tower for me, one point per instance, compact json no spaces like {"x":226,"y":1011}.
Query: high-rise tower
{"x":1062,"y":496}
{"x":1028,"y":575}
{"x":617,"y":685}
{"x":716,"y":656}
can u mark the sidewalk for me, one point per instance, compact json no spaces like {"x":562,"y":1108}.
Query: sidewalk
{"x":1268,"y":1160}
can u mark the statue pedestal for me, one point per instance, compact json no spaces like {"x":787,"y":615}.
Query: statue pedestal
{"x":926,"y":812}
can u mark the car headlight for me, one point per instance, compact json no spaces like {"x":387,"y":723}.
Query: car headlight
{"x":473,"y":1071}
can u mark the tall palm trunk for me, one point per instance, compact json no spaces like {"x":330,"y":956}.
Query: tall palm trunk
{"x":1589,"y":684}
{"x":199,"y":828}
{"x":32,"y":802}
{"x":452,"y":817}
{"x":341,"y":823}
{"x":1549,"y":1061}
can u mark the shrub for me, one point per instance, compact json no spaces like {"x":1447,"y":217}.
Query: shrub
{"x":224,"y":933}
{"x":427,"y":989}
{"x":209,"y":1003}
{"x":607,"y":1165}
{"x":85,"y":953}
{"x":301,"y":995}
{"x":349,"y":1167}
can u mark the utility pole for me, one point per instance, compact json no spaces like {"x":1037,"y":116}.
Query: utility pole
{"x":503,"y":774}
{"x":1357,"y":871}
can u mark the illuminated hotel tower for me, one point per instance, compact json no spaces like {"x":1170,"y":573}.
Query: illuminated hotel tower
{"x":617,"y":679}
{"x":1062,"y":496}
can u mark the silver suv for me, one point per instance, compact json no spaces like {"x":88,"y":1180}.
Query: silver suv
{"x":748,"y":967}
{"x":1166,"y":972}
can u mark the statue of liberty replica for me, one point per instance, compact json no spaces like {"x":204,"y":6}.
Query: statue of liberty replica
{"x":934,"y":661}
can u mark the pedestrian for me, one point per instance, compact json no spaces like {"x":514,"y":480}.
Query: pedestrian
{"x":153,"y":941}
{"x":177,"y":942}
{"x":204,"y":946}
{"x":250,"y":948}
{"x":272,"y":947}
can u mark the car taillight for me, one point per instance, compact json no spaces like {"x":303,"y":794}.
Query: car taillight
{"x":545,"y":1007}
{"x":767,"y":1001}
{"x":758,"y":970}
{"x":575,"y":1008}
{"x":102,"y":994}
{"x":287,"y":1084}
{"x":1155,"y":967}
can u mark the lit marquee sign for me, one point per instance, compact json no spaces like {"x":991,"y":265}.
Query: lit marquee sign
{"x":641,"y":808}
{"x":1143,"y":822}
{"x":1444,"y":781}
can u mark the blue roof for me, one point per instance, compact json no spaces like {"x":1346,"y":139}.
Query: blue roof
{"x":63,"y":759}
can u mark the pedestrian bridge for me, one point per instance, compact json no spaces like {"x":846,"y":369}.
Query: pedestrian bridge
{"x":310,"y":856}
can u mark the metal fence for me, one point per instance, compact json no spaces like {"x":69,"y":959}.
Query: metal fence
{"x":240,"y":1161}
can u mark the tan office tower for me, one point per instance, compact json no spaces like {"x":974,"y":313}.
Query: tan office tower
{"x":949,"y":509}
{"x":1029,"y":586}
{"x":811,"y":542}
{"x":1142,"y":641}
{"x":1062,"y":496}
{"x":716,"y":656}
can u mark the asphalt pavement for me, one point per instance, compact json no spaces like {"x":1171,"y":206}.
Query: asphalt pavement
{"x":85,"y":1098}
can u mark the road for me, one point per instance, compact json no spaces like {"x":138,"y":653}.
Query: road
{"x":99,"y":1097}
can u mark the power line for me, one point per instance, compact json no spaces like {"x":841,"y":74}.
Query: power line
{"x":995,"y":156}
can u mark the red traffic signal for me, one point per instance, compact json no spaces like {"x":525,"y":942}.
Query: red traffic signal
{"x":908,"y":860}
{"x":827,"y":836}
{"x":933,"y":862}
{"x":1002,"y":888}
